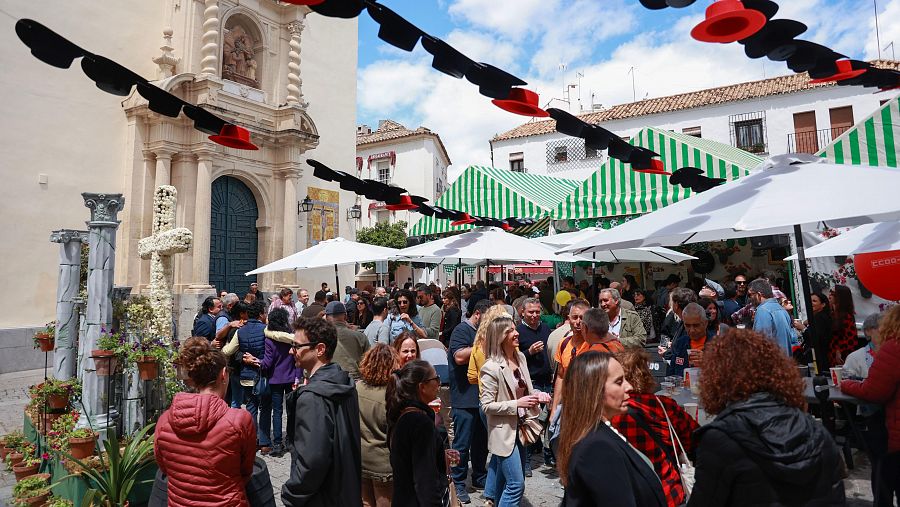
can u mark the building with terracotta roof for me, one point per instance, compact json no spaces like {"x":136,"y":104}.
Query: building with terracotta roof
{"x":767,"y":117}
{"x":413,"y":159}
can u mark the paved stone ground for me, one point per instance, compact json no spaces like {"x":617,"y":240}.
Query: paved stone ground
{"x":541,"y":490}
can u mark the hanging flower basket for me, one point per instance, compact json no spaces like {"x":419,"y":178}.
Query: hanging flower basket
{"x":45,"y":342}
{"x":148,"y":367}
{"x":81,"y":448}
{"x":58,"y":401}
{"x":105,"y":362}
{"x":24,"y":471}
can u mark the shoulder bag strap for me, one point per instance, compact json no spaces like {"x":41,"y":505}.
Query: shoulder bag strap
{"x":673,"y":434}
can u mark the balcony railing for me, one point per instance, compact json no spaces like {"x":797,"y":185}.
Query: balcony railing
{"x":814,"y":140}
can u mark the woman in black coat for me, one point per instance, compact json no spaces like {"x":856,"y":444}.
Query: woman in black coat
{"x":417,"y":447}
{"x":594,"y":391}
{"x":762,"y":448}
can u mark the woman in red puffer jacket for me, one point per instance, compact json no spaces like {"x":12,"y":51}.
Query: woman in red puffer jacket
{"x":204,"y":447}
{"x":882,"y":386}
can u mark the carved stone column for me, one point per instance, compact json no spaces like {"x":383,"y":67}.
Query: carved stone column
{"x":101,"y":264}
{"x":209,"y":64}
{"x":202,"y":221}
{"x":163,"y":169}
{"x":295,"y":94}
{"x":68,"y":284}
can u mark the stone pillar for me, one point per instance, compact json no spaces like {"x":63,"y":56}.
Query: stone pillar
{"x":209,"y":50}
{"x":80,"y":304}
{"x":101,"y":265}
{"x":289,"y":223}
{"x":68,"y":284}
{"x":163,"y":169}
{"x":295,"y":82}
{"x":189,"y":301}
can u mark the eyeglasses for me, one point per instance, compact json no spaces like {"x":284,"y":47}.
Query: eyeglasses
{"x":298,"y":346}
{"x":436,"y":377}
{"x":402,"y":302}
{"x":361,"y":303}
{"x":522,"y":383}
{"x":740,"y":283}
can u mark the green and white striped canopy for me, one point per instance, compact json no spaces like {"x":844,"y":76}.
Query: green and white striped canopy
{"x":498,"y":193}
{"x":615,"y":190}
{"x":874,"y":141}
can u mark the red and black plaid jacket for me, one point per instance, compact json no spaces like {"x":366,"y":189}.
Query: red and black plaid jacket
{"x":844,"y":341}
{"x":663,"y":459}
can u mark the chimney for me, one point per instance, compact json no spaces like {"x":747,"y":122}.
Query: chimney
{"x":362,"y":130}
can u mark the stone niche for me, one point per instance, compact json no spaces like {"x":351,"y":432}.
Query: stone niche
{"x":242,"y":51}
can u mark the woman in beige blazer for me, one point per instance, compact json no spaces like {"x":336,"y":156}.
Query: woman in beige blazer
{"x":506,"y":395}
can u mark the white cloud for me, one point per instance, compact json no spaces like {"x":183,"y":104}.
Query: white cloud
{"x":483,"y":47}
{"x":513,"y":20}
{"x":389,"y":85}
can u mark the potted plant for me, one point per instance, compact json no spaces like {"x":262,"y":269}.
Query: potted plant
{"x":56,"y":392}
{"x":18,"y":454}
{"x":82,"y":442}
{"x":44,"y":338}
{"x":148,"y":355}
{"x":32,"y":490}
{"x":11,"y":441}
{"x":117,"y":476}
{"x":28,"y":466}
{"x":56,"y":501}
{"x":110,"y":346}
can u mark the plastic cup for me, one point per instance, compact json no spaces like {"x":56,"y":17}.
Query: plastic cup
{"x":668,"y":388}
{"x":693,"y":410}
{"x":804,"y":371}
{"x":836,"y":374}
{"x":435,"y":405}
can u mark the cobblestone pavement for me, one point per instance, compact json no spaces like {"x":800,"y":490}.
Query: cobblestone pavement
{"x":541,"y":490}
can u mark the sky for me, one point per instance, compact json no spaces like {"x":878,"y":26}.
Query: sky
{"x":596,"y":45}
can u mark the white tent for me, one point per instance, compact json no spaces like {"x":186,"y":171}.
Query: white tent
{"x":648,"y":254}
{"x":491,"y":245}
{"x":784,"y":192}
{"x":880,"y":237}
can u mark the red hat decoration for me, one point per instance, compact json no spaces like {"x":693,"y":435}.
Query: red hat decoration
{"x":521,"y":101}
{"x":233,"y":136}
{"x":465,"y":220}
{"x":656,"y":167}
{"x":404,"y":204}
{"x":728,"y":21}
{"x":844,"y":71}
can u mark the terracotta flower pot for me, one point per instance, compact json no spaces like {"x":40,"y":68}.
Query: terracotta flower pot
{"x":105,"y":362}
{"x":45,"y":343}
{"x":24,"y":471}
{"x":81,"y":448}
{"x":48,"y":420}
{"x":4,"y":451}
{"x":148,"y":368}
{"x":15,"y":457}
{"x":36,"y":500}
{"x":58,"y":401}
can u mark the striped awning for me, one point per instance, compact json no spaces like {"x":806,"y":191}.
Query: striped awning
{"x":615,"y":190}
{"x":874,"y":141}
{"x":498,"y":193}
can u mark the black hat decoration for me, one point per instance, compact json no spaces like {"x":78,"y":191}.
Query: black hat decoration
{"x":322,"y":171}
{"x":47,"y":45}
{"x":393,"y":29}
{"x":446,"y":59}
{"x":346,"y":9}
{"x":204,"y":121}
{"x":694,"y":179}
{"x":491,"y":81}
{"x":109,"y":75}
{"x":160,"y":101}
{"x":775,"y":35}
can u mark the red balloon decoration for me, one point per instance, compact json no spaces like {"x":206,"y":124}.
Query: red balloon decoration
{"x":880,"y":273}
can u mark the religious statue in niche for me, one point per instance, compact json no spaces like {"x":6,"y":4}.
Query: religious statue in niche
{"x":239,"y":62}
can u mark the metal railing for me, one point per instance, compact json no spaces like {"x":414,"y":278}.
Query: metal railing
{"x":812,"y":141}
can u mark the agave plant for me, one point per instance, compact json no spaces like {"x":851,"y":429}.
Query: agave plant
{"x":111,"y":485}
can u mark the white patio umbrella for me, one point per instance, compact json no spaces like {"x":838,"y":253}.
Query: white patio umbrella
{"x":880,"y":237}
{"x":332,"y":252}
{"x":784,"y":192}
{"x":645,"y":254}
{"x":491,"y":245}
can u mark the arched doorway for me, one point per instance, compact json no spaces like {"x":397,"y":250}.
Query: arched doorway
{"x":233,"y":241}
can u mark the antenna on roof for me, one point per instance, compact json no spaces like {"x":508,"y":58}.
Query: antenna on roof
{"x":633,"y":92}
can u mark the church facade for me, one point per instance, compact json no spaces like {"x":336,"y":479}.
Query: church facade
{"x":284,"y":73}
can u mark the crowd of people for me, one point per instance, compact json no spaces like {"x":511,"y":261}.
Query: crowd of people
{"x":530,"y":373}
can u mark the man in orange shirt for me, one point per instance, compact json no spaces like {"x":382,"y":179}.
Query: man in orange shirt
{"x":569,"y":348}
{"x":595,"y":329}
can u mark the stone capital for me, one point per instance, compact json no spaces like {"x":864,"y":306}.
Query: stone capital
{"x":295,"y":27}
{"x":104,"y":208}
{"x":68,"y":235}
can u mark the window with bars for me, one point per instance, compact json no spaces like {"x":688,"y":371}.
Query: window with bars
{"x":748,"y":131}
{"x":517,"y":162}
{"x":571,"y":154}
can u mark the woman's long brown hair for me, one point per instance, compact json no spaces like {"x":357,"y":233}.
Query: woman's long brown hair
{"x":583,"y":390}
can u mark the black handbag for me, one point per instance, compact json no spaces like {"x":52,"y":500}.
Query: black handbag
{"x":259,"y":488}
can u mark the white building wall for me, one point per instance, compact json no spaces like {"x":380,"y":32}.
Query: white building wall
{"x":713,"y":121}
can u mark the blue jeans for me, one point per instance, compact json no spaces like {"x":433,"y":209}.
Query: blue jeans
{"x":269,"y":418}
{"x":469,"y":434}
{"x":508,"y":476}
{"x":237,"y":391}
{"x":252,"y":402}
